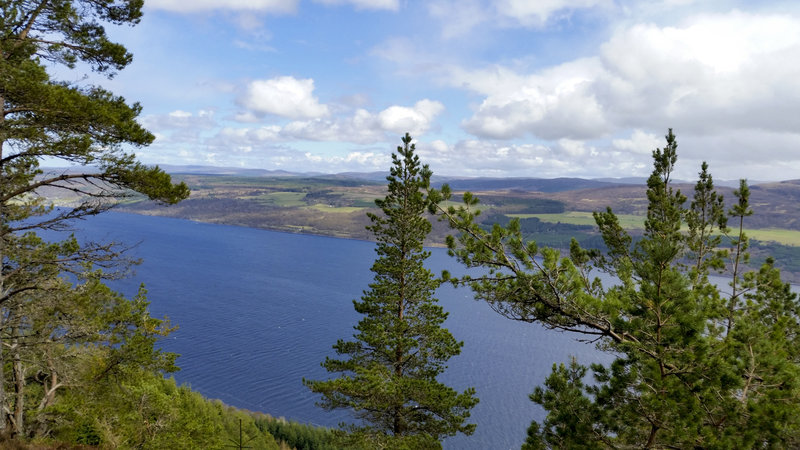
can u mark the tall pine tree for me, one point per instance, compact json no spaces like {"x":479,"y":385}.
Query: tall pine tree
{"x":695,"y":365}
{"x":62,"y":123}
{"x":388,"y":373}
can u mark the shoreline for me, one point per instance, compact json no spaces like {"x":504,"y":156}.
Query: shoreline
{"x":792,"y":278}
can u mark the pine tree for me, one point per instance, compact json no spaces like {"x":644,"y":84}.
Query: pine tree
{"x":695,"y":365}
{"x":388,"y":373}
{"x":65,"y":123}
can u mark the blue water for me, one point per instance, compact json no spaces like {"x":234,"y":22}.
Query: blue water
{"x":259,"y":310}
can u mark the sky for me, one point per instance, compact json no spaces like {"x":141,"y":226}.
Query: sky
{"x":506,"y":88}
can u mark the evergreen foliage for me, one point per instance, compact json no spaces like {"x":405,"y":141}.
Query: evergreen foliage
{"x":696,"y":365}
{"x":388,"y":373}
{"x":142,"y":409}
{"x":52,"y":329}
{"x":299,"y":436}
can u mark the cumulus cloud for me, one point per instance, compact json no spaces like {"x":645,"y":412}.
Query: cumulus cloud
{"x":391,"y":5}
{"x":362,"y":126}
{"x":716,"y":72}
{"x":713,"y":73}
{"x":485,"y":158}
{"x":415,"y":120}
{"x":181,"y":128}
{"x":184,"y":6}
{"x":179,"y":119}
{"x":556,"y":103}
{"x":282,"y":96}
{"x":639,"y":142}
{"x":563,"y":158}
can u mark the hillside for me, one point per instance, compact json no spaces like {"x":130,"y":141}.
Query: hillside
{"x":552,"y":211}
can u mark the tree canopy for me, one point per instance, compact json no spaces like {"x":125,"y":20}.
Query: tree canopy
{"x":388,"y":373}
{"x":695,"y":364}
{"x":47,"y":318}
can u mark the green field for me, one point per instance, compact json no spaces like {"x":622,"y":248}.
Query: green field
{"x":632,"y":222}
{"x":285,"y":199}
{"x":336,"y":209}
{"x":781,"y":236}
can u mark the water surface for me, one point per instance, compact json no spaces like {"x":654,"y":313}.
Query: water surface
{"x":259,"y":310}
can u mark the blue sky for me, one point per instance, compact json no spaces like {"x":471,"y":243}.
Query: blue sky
{"x":542,"y":88}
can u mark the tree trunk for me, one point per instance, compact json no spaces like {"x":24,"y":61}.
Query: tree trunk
{"x":19,"y":392}
{"x":2,"y":276}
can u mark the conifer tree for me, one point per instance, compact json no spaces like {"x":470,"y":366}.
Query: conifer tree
{"x":63,"y":123}
{"x":388,"y":373}
{"x":695,"y":365}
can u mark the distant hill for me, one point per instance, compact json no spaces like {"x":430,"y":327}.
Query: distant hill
{"x":643,"y":181}
{"x":524,"y":184}
{"x":552,"y":211}
{"x":237,"y":171}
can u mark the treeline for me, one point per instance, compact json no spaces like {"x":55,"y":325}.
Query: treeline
{"x":787,"y":257}
{"x":556,"y":235}
{"x":298,"y":435}
{"x":137,"y":408}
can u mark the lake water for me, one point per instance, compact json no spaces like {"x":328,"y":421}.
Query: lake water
{"x":259,"y":310}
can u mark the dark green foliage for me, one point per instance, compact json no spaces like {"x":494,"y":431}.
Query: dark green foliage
{"x":87,"y":434}
{"x":50,"y":326}
{"x":388,"y":373}
{"x":73,"y":124}
{"x":695,"y":365}
{"x":533,"y":225}
{"x":140,"y":409}
{"x":522,"y":205}
{"x":571,"y":425}
{"x":787,"y":257}
{"x":299,"y":436}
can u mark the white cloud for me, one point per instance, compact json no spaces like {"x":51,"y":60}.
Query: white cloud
{"x":537,"y":13}
{"x":415,"y":120}
{"x":484,"y":158}
{"x":735,"y":154}
{"x":391,"y":5}
{"x":282,"y":96}
{"x":458,"y":17}
{"x":180,"y":128}
{"x":179,"y":119}
{"x":556,"y":103}
{"x":357,"y":161}
{"x":640,"y":143}
{"x":574,"y":149}
{"x":183,"y":6}
{"x":714,"y":73}
{"x":564,"y":158}
{"x":362,"y":127}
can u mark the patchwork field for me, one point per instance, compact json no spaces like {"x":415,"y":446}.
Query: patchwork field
{"x":635,"y":222}
{"x":337,"y":206}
